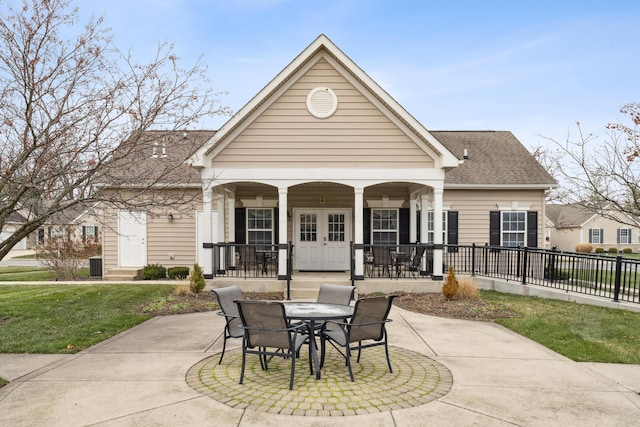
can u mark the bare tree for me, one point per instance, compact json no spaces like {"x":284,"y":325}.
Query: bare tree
{"x":603,"y":175}
{"x":74,"y":109}
{"x":550,"y":160}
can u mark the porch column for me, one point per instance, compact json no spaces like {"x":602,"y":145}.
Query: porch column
{"x":231,"y":220}
{"x":413,"y":209}
{"x":207,"y":232}
{"x":424,"y":223}
{"x":221,"y":224}
{"x":282,"y":233}
{"x":358,"y":230}
{"x":437,"y":231}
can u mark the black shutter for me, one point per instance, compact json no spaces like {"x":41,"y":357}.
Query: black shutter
{"x":366,"y":226}
{"x":452,"y":230}
{"x":404,"y":216}
{"x":591,"y":235}
{"x":418,"y":213}
{"x":276,"y":226}
{"x":84,"y":233}
{"x":241,"y":226}
{"x":532,"y":229}
{"x":494,"y":228}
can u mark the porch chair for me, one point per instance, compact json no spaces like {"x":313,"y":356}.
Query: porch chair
{"x":366,"y":324}
{"x":228,"y":309}
{"x":336,"y":294}
{"x":382,"y":260}
{"x":247,"y":259}
{"x":266,"y":326}
{"x":414,"y":263}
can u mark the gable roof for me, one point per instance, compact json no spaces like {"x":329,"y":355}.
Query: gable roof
{"x":160,"y":159}
{"x":323,"y":46}
{"x":495,"y":159}
{"x":567,"y":216}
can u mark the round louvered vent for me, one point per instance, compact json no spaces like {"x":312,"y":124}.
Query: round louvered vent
{"x":322,"y":102}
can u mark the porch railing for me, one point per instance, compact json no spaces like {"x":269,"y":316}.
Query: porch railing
{"x":612,"y":277}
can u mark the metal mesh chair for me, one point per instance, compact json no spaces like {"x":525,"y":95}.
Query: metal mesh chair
{"x":266,"y":327}
{"x":366,"y":324}
{"x":382,"y":260}
{"x":336,"y":294}
{"x":228,"y":309}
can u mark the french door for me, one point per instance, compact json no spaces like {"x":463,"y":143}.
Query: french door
{"x":322,"y":239}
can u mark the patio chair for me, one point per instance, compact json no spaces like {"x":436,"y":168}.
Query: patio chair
{"x":366,"y":324}
{"x":382,"y":260}
{"x":266,"y":326}
{"x":247,"y":260}
{"x":336,"y":294}
{"x":414,"y":263}
{"x":232,"y":329}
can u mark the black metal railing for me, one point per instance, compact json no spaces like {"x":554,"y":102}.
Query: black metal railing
{"x":612,"y":277}
{"x":615,"y":278}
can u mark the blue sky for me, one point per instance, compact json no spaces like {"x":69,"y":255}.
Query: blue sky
{"x":534,"y":68}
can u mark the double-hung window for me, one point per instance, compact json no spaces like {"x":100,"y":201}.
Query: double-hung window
{"x":431,"y":227}
{"x":260,"y":226}
{"x":514,"y":228}
{"x":624,"y":236}
{"x":384,"y":226}
{"x":595,"y":236}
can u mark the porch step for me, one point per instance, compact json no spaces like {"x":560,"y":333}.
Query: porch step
{"x":305,"y":286}
{"x":123,"y":274}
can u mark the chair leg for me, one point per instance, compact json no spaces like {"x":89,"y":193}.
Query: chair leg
{"x":244,"y":359}
{"x":224,"y":346}
{"x":386,"y":350}
{"x":293,"y":370}
{"x":348,"y":357}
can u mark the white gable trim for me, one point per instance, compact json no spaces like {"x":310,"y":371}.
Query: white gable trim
{"x":442,"y":157}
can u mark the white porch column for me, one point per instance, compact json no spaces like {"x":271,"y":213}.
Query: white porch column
{"x":357,"y":233}
{"x":282,"y":233}
{"x":413,"y":209}
{"x":207,"y":232}
{"x":424,"y":223}
{"x":231,"y":220}
{"x":437,"y":231}
{"x":221,"y":225}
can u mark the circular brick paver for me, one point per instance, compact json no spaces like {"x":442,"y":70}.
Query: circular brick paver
{"x":416,"y":380}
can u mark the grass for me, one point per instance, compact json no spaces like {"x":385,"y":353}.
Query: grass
{"x":583,"y":333}
{"x":33,"y":274}
{"x":69,"y":318}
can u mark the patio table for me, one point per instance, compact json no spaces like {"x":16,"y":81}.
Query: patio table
{"x":311,"y":312}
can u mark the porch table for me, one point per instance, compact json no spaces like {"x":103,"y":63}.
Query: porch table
{"x":311,"y":312}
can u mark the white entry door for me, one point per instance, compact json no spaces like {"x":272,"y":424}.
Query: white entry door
{"x":132,"y":239}
{"x":322,"y":239}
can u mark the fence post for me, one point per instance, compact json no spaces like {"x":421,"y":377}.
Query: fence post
{"x":473,"y":260}
{"x":289,"y":255}
{"x":616,"y":291}
{"x":524,"y":265}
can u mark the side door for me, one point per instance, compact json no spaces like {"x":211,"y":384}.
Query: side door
{"x":132,"y":239}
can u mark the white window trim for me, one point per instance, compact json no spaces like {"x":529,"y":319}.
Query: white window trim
{"x":503,"y":231}
{"x":271,"y":230}
{"x":397,"y":229}
{"x":513,"y":207}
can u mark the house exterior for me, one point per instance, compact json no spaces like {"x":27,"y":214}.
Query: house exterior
{"x":324,"y":158}
{"x":572,"y":224}
{"x":79,"y":223}
{"x":13,"y":223}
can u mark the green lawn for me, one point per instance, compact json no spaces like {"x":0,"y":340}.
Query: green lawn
{"x":69,"y":318}
{"x":583,"y":333}
{"x":32,"y":274}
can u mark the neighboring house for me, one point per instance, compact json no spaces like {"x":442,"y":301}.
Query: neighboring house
{"x":81,"y":221}
{"x":572,"y":224}
{"x":14,"y":221}
{"x":322,"y":157}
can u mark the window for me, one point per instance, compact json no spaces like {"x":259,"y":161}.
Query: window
{"x":336,"y":228}
{"x":384,"y":225}
{"x":260,"y":226}
{"x":430,"y":227}
{"x":89,"y":233}
{"x":624,"y":235}
{"x":308,"y":228}
{"x":595,"y":236}
{"x":513,"y":228}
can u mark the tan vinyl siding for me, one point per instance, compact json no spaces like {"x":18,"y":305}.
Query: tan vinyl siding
{"x":473,"y":208}
{"x":358,"y":135}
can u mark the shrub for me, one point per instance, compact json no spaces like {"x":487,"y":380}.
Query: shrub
{"x":154,"y":272}
{"x":627,"y":250}
{"x":613,"y":250}
{"x":66,"y":254}
{"x":179,"y":273}
{"x":451,"y":285}
{"x":599,"y":250}
{"x":182,"y":290}
{"x":196,"y":280}
{"x":584,"y":248}
{"x":467,"y":289}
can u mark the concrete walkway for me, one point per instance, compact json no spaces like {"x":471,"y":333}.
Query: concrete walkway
{"x":139,"y":378}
